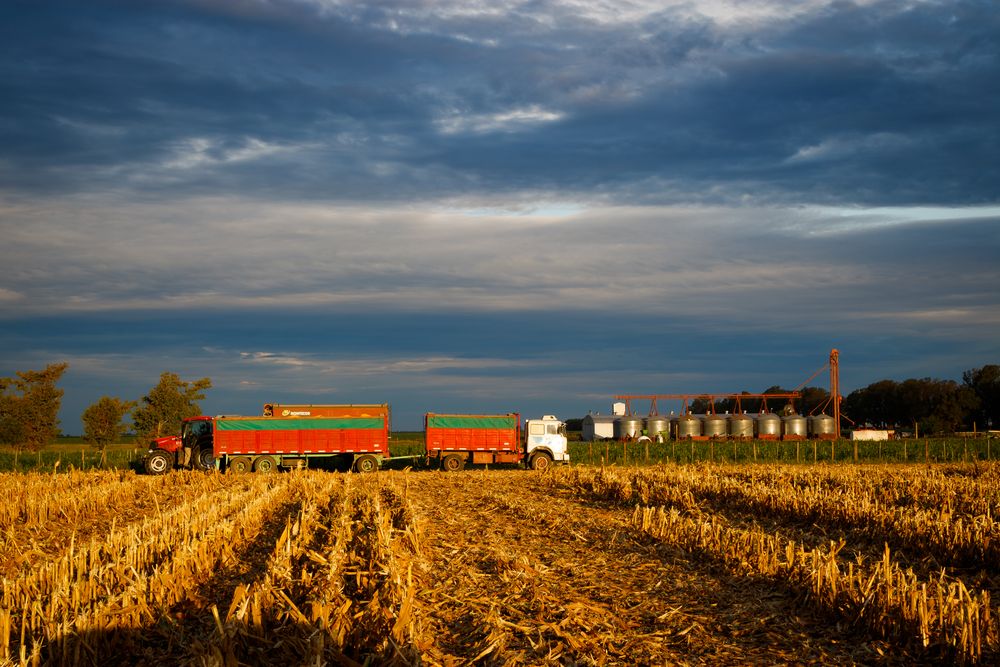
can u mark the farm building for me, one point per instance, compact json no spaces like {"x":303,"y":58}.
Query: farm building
{"x":594,"y":427}
{"x":872,"y":434}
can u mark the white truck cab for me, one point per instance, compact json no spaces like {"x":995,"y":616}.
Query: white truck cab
{"x":545,"y":442}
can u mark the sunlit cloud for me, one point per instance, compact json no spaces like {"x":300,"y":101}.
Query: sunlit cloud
{"x":512,"y":120}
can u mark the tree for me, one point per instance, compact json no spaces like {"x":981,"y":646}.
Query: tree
{"x":876,"y":405}
{"x":813,"y":398}
{"x":167,"y":404}
{"x":985,"y":383}
{"x":102,"y":421}
{"x":29,"y":407}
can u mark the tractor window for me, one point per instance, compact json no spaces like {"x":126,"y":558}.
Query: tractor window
{"x":552,"y":429}
{"x":536,"y":429}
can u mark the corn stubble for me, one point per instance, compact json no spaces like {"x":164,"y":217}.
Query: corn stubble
{"x":494,"y":567}
{"x":941,"y":515}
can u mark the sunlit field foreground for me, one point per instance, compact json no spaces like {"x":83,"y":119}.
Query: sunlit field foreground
{"x":704,"y":564}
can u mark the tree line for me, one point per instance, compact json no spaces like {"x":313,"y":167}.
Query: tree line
{"x":30,"y":401}
{"x":930,"y":405}
{"x":925,"y":405}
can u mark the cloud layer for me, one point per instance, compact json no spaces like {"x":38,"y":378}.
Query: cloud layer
{"x":485,"y":202}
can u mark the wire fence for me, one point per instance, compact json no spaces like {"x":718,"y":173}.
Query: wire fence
{"x":923,"y":450}
{"x":56,"y":459}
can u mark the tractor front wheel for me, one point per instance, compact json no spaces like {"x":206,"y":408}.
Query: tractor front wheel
{"x":157,"y":463}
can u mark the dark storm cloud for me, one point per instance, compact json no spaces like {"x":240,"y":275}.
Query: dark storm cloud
{"x":452,"y":205}
{"x":880,"y":103}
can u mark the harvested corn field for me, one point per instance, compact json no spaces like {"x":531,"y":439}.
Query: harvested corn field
{"x":666,"y":565}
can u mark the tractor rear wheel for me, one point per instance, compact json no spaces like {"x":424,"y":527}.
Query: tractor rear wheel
{"x":204,"y":460}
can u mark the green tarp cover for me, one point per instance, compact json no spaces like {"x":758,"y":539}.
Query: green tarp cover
{"x":298,"y":424}
{"x":471,"y":421}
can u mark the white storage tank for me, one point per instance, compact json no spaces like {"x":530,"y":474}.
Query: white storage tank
{"x":768,"y":425}
{"x":822,"y":426}
{"x":715,"y":426}
{"x":794,"y":426}
{"x":657,"y":426}
{"x":628,"y":428}
{"x":687,"y":426}
{"x":740,"y":426}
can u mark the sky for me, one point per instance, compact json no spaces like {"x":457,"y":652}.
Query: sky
{"x":468,"y":206}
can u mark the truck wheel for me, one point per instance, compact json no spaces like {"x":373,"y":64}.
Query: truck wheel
{"x":204,"y":460}
{"x":540,"y":461}
{"x":157,"y":463}
{"x":366,"y":464}
{"x":240,"y":464}
{"x":453,"y":462}
{"x":263,"y":465}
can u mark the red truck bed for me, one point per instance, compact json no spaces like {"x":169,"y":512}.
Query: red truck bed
{"x":302,"y":435}
{"x":490,"y":433}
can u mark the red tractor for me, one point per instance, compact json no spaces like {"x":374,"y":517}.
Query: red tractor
{"x":167,"y":453}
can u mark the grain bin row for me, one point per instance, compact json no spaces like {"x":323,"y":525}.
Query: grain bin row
{"x":767,"y":426}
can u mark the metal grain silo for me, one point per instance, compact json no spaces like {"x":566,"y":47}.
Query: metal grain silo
{"x":715,"y":426}
{"x":768,"y":426}
{"x":656,"y":425}
{"x":628,"y":428}
{"x":687,"y":426}
{"x":740,"y":426}
{"x":794,"y":427}
{"x":823,"y":427}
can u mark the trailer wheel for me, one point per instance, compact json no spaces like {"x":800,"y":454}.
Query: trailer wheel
{"x":366,"y":464}
{"x":157,"y":463}
{"x":263,"y":465}
{"x":240,"y":464}
{"x":540,"y":461}
{"x":453,"y":462}
{"x":204,"y":460}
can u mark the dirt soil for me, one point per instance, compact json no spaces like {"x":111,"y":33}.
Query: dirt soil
{"x":516,"y":572}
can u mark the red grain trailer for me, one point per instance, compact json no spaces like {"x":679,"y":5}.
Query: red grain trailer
{"x":454,"y":440}
{"x":349,"y":436}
